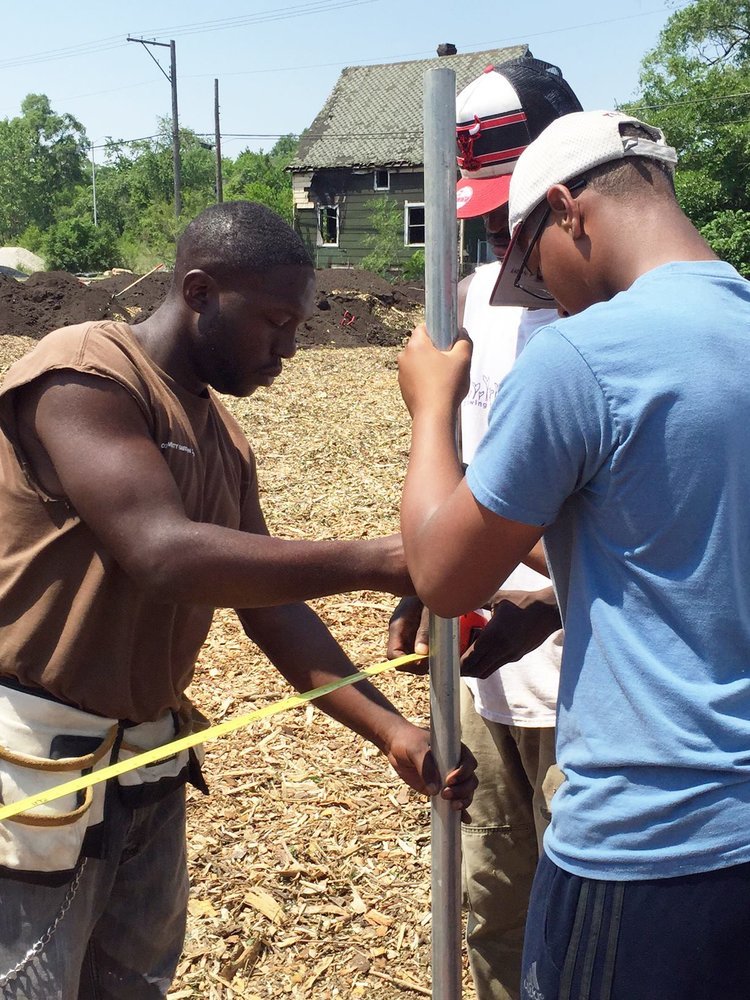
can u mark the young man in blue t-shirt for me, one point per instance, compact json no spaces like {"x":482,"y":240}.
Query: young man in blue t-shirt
{"x":618,"y":436}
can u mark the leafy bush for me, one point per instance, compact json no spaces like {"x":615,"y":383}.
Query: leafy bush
{"x":414,"y":267}
{"x":78,"y":245}
{"x":138,"y":256}
{"x":729,"y":235}
{"x":386,"y":237}
{"x":31,"y":238}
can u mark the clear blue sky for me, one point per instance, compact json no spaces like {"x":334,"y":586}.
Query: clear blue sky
{"x":276,"y":64}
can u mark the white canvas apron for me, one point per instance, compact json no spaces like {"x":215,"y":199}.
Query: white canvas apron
{"x":44,"y":743}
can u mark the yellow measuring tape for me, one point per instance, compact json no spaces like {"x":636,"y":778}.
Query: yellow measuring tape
{"x":170,"y":749}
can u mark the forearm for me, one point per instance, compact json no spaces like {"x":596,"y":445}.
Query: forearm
{"x":433,"y":474}
{"x":196,"y":563}
{"x":302,"y":649}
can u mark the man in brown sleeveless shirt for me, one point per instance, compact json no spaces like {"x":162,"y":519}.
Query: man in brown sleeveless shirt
{"x":130,"y":510}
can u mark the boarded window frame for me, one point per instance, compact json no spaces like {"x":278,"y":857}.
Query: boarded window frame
{"x":326,"y":214}
{"x":413,"y":207}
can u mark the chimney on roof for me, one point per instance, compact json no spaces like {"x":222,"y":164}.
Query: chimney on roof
{"x":447,"y":49}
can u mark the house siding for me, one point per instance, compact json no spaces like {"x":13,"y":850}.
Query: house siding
{"x":353,"y":191}
{"x":374,"y":118}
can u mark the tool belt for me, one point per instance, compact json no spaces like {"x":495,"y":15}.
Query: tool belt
{"x":45,"y":742}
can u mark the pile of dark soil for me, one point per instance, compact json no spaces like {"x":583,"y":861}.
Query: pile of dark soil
{"x":46,"y":300}
{"x":353,"y":308}
{"x":133,"y":299}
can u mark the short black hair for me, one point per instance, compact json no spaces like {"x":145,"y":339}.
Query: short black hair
{"x":625,"y":178}
{"x":237,"y":237}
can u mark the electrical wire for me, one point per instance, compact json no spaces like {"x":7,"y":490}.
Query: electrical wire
{"x":114,"y":41}
{"x":70,"y":52}
{"x":696,"y":100}
{"x":412,"y":134}
{"x":261,"y":17}
{"x":281,"y":14}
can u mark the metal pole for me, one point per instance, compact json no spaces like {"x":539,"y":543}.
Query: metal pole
{"x":93,"y":180}
{"x":441,"y":271}
{"x":175,"y":131}
{"x":219,"y":182}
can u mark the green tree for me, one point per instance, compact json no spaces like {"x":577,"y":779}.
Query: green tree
{"x":147,"y":167}
{"x":47,"y":196}
{"x":77,"y":245}
{"x":135,"y":193}
{"x":696,"y":86}
{"x":385,"y":237}
{"x":42,"y":158}
{"x":414,"y":267}
{"x":262,"y":177}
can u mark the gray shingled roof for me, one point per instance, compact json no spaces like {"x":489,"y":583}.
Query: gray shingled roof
{"x":373,"y":117}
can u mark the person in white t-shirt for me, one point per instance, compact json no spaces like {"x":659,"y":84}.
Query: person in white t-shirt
{"x":508,"y":716}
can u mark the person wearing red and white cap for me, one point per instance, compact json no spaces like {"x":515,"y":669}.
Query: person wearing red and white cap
{"x":507,"y":716}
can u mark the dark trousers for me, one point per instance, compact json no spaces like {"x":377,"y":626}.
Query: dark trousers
{"x":685,"y":938}
{"x":116,"y":931}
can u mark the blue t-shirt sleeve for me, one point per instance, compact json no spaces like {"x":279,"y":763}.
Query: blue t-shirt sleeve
{"x":550,"y":432}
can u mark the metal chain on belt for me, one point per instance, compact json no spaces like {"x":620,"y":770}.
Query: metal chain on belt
{"x":44,"y":940}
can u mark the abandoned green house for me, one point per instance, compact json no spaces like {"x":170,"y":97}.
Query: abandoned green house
{"x":362,"y":157}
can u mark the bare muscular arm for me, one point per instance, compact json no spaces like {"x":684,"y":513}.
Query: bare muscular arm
{"x":87,"y":440}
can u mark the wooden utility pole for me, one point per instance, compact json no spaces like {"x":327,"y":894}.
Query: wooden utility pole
{"x":219,"y":182}
{"x":93,"y":181}
{"x":172,"y":77}
{"x":175,"y":132}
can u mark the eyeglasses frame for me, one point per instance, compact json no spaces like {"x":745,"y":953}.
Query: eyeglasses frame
{"x":578,"y":185}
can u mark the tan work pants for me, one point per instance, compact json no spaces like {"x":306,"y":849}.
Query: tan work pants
{"x":501,"y":844}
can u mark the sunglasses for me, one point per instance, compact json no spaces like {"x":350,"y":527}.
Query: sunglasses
{"x":531,"y":282}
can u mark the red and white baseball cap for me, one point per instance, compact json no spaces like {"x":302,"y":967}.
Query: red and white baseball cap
{"x":497,"y":116}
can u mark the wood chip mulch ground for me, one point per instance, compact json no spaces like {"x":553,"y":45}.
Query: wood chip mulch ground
{"x":310,"y":861}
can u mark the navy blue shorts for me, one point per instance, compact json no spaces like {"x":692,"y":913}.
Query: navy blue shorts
{"x":685,"y":938}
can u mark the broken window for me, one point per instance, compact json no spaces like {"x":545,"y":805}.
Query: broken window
{"x":414,"y":224}
{"x":382,"y":180}
{"x":328,"y":223}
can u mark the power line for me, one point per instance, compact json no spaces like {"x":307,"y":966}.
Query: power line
{"x":401,"y":134}
{"x":125,"y":142}
{"x":261,"y":17}
{"x":114,"y":41}
{"x":282,"y":14}
{"x":318,"y":6}
{"x":404,"y":134}
{"x":573,"y":27}
{"x":72,"y":51}
{"x":407,"y":134}
{"x":464,"y":46}
{"x":696,"y":100}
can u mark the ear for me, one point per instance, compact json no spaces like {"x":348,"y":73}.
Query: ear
{"x":567,"y":210}
{"x":199,"y":290}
